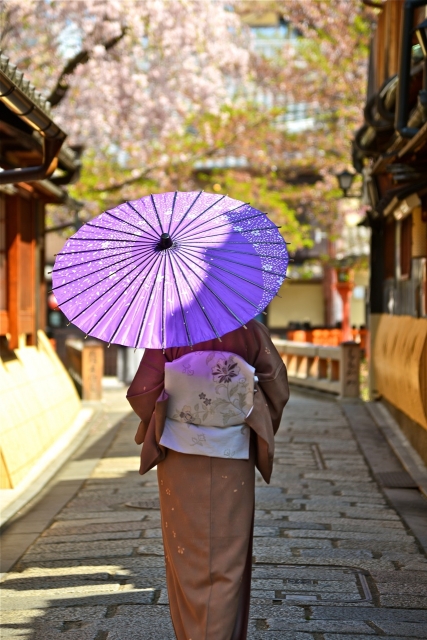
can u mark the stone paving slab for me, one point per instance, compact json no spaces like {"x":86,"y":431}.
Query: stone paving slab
{"x":332,"y":558}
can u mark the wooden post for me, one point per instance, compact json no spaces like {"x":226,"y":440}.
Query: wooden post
{"x":345,"y":286}
{"x":350,"y":366}
{"x":322,"y":371}
{"x":92,"y":370}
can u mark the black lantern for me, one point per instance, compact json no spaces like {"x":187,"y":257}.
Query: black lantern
{"x":345,"y":180}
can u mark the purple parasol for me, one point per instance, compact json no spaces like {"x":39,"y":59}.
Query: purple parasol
{"x":170,"y":269}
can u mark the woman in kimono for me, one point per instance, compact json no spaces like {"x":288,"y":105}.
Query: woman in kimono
{"x":207,"y":491}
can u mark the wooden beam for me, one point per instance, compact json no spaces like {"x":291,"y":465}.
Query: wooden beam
{"x":415,"y":143}
{"x":13,"y":241}
{"x":27,"y":275}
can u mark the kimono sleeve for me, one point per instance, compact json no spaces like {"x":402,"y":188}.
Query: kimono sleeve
{"x":146,"y":388}
{"x":272,"y":374}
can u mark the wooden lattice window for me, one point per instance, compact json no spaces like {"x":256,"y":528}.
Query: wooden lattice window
{"x":389,"y":248}
{"x":3,"y":268}
{"x":406,"y":246}
{"x":4,"y":306}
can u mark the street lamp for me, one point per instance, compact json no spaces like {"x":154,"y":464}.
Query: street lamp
{"x":345,"y":180}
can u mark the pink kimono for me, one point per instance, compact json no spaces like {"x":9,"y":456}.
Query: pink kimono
{"x":207,"y":504}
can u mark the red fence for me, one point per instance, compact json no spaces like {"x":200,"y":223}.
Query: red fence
{"x":327,"y":337}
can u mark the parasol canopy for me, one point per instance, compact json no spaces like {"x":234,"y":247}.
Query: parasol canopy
{"x":169,"y":270}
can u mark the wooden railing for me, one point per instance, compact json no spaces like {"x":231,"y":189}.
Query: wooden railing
{"x":85,"y":362}
{"x":331,"y":369}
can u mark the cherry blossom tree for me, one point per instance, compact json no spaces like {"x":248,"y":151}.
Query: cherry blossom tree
{"x":155,"y":88}
{"x":126,"y":77}
{"x":325,"y":69}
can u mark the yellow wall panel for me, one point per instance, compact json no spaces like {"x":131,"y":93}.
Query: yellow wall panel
{"x":400,"y":361}
{"x":38,"y":403}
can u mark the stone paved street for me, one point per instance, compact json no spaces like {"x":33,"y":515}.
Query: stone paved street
{"x":332,"y":559}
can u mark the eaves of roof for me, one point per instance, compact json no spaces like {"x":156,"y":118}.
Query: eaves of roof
{"x":22,"y":99}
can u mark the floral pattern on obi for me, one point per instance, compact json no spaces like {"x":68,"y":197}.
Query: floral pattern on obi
{"x":210,"y":395}
{"x":209,"y":388}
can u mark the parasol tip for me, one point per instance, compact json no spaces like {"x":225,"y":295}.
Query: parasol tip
{"x":165,"y":241}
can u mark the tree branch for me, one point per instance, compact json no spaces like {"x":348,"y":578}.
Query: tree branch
{"x":145,"y":172}
{"x":62,"y":85}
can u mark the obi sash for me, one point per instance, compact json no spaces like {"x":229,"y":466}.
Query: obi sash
{"x":211,"y":393}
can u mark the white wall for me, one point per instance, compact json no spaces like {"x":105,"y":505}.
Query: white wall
{"x":299,"y":302}
{"x":302,"y":301}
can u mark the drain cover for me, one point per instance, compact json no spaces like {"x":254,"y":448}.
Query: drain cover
{"x":144,"y":504}
{"x":310,"y":584}
{"x":396,"y":480}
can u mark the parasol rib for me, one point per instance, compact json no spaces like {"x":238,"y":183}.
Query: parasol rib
{"x":187,"y":212}
{"x":214,"y":294}
{"x":249,"y":242}
{"x":254,"y":284}
{"x":157,"y":213}
{"x":142,"y":217}
{"x":111,"y":240}
{"x":180,"y":302}
{"x":223,"y":233}
{"x":173,"y":211}
{"x":70,"y":253}
{"x":128,"y":233}
{"x":229,"y":223}
{"x":215,"y":217}
{"x":202,"y":213}
{"x":110,"y":307}
{"x":146,"y":309}
{"x":130,"y":224}
{"x":244,"y":253}
{"x":87,"y":275}
{"x":163,"y":299}
{"x":116,"y":330}
{"x":103,"y":293}
{"x":246,"y":266}
{"x":199,"y":303}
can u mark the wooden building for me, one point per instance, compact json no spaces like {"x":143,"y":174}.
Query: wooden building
{"x":38,"y":402}
{"x":390,"y":150}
